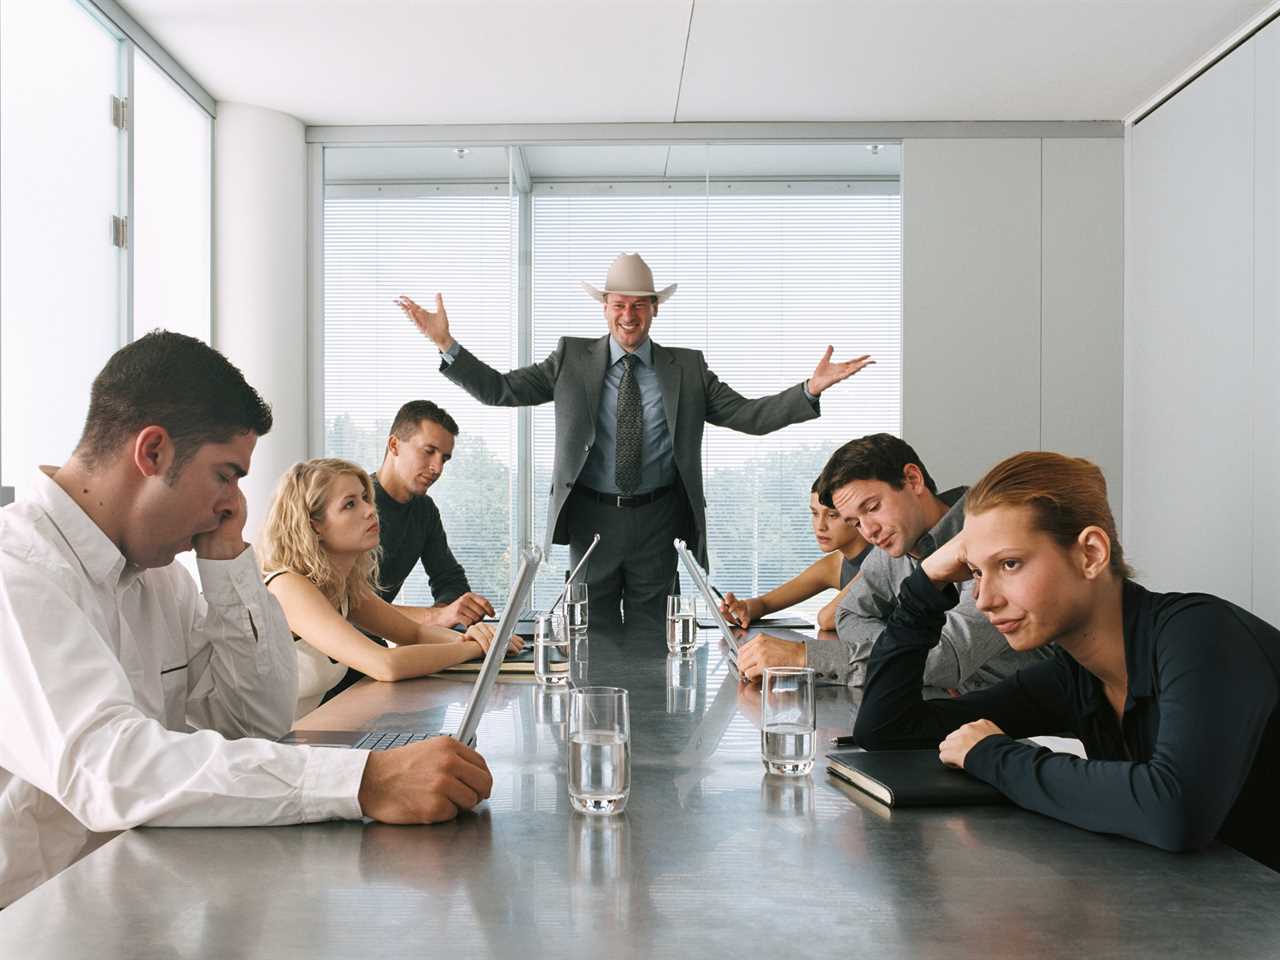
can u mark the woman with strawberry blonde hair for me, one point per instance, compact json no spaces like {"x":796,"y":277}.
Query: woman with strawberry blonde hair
{"x":1174,"y":695}
{"x":320,"y":557}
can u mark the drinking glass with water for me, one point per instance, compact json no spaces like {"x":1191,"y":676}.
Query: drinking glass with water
{"x":550,"y":650}
{"x":575,"y":606}
{"x":682,"y":623}
{"x":599,"y":750}
{"x":789,"y":719}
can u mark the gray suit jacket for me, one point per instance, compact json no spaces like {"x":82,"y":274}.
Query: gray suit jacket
{"x":573,"y":376}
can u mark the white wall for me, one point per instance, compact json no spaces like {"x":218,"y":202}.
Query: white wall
{"x":259,"y":315}
{"x":1012,"y":302}
{"x":1201,"y":358}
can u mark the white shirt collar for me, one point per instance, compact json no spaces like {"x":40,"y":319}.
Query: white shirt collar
{"x":101,"y":559}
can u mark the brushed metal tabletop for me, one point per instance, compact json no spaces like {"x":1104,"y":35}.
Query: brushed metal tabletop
{"x":711,"y":858}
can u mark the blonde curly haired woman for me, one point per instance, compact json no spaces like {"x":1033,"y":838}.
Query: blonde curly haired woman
{"x":320,"y":561}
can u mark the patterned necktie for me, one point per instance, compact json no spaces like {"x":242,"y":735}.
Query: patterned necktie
{"x":626,"y":469}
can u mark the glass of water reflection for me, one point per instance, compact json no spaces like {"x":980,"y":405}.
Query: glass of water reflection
{"x":682,"y":623}
{"x":550,"y":650}
{"x":789,"y":719}
{"x":599,"y":750}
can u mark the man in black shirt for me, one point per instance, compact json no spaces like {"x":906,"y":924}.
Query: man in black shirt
{"x":421,"y":443}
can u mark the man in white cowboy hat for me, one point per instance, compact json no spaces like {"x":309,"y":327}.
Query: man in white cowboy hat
{"x":629,"y":421}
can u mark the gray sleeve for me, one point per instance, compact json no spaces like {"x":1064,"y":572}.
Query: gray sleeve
{"x":524,"y":387}
{"x":968,"y":642}
{"x":861,"y":615}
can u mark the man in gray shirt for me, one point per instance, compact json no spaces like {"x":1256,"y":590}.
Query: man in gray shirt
{"x":879,"y":484}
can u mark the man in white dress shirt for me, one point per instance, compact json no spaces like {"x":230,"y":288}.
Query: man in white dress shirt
{"x":127,"y":696}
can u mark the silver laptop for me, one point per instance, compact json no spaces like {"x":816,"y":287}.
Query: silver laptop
{"x":485,"y":679}
{"x":711,"y":597}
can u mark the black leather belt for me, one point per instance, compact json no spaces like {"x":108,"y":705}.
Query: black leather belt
{"x":619,"y":500}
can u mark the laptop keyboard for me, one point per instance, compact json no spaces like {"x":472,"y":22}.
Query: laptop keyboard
{"x":388,"y":739}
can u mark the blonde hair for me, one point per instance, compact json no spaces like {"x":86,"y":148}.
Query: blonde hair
{"x":1065,"y":494}
{"x":290,"y":542}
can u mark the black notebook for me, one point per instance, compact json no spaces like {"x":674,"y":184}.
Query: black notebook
{"x":910,"y":778}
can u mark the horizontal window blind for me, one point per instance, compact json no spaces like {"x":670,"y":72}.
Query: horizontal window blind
{"x":766,"y":281}
{"x":375,"y":248}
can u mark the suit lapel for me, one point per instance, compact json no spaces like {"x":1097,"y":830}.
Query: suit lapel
{"x":664,"y":363}
{"x":597,"y":364}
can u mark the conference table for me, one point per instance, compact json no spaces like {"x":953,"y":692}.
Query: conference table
{"x":712,"y":857}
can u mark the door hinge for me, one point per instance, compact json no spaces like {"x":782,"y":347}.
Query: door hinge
{"x":120,"y":232}
{"x":120,"y":112}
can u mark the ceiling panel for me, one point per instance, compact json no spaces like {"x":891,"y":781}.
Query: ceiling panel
{"x":943,"y":60}
{"x":431,"y":61}
{"x":567,"y":61}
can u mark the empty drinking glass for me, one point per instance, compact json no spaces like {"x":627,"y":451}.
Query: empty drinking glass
{"x":682,"y":623}
{"x":599,"y":750}
{"x":788,"y":720}
{"x":550,"y":650}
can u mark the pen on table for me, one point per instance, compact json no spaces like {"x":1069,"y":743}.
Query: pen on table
{"x":844,"y":742}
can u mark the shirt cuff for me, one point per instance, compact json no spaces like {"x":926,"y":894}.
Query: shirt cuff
{"x":331,"y":784}
{"x":226,"y":583}
{"x":829,"y":660}
{"x":812,"y":398}
{"x":448,"y":356}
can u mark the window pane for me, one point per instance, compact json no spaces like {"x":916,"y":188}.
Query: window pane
{"x":383,"y":242}
{"x":767,"y":280}
{"x":172,"y":139}
{"x":59,"y":186}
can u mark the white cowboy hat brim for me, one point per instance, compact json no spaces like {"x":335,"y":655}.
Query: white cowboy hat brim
{"x":662,"y":294}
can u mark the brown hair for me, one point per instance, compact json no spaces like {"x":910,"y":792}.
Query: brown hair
{"x":1065,"y":494}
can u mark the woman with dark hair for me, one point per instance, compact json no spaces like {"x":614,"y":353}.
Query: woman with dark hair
{"x":843,"y":551}
{"x":1174,"y":695}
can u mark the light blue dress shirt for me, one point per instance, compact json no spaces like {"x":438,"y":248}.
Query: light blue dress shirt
{"x":657,"y":458}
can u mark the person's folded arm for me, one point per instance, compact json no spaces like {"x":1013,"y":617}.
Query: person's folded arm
{"x":894,"y":713}
{"x":966,"y":643}
{"x":827,"y":615}
{"x":74,"y":730}
{"x":314,"y":619}
{"x":1216,"y":693}
{"x":242,"y":673}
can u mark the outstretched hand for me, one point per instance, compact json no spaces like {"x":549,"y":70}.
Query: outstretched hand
{"x":827,"y":373}
{"x":434,"y":326}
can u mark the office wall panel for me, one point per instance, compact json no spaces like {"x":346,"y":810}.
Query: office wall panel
{"x":971,"y":302}
{"x":1189,"y":470}
{"x":1082,"y":340}
{"x":1266,"y":325}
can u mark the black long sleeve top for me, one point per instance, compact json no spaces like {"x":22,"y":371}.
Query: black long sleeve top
{"x":1197,"y":754}
{"x":413,"y":532}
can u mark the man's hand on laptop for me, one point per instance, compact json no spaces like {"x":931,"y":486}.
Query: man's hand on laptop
{"x":467,"y":609}
{"x":766,"y":651}
{"x":424,"y":782}
{"x":741,"y":612}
